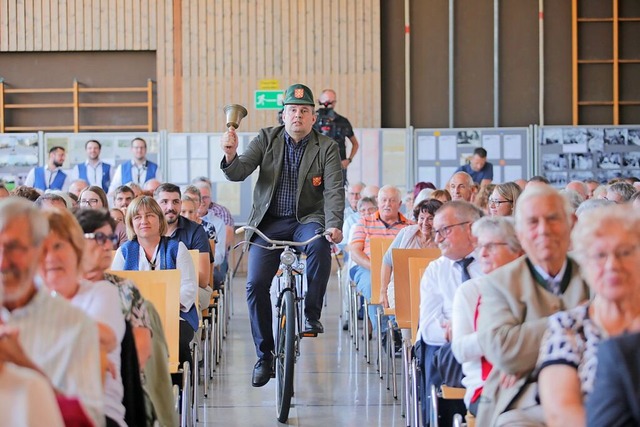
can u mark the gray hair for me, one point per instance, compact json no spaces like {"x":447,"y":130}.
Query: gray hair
{"x":500,"y":226}
{"x":464,"y":174}
{"x":534,"y":191}
{"x":463,"y":211}
{"x":590,"y":204}
{"x":390,"y":189}
{"x":364,"y":200}
{"x":50,"y":195}
{"x":573,"y":197}
{"x":623,"y":189}
{"x":13,"y":208}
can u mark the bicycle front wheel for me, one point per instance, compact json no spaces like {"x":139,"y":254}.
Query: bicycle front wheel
{"x":285,"y":356}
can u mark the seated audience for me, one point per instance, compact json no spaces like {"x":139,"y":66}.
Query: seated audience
{"x":606,"y":242}
{"x":442,"y":195}
{"x":149,"y":249}
{"x":99,"y":236}
{"x":497,"y":245}
{"x":579,"y":187}
{"x":386,"y":222}
{"x":77,"y":186}
{"x":573,"y":197}
{"x":46,"y":333}
{"x":94,"y":197}
{"x":61,"y":269}
{"x":481,"y":197}
{"x":516,"y":302}
{"x":414,"y":236}
{"x":461,"y":187}
{"x":51,"y":201}
{"x":620,"y":192}
{"x":503,"y":199}
{"x":26,"y":396}
{"x":457,"y":264}
{"x":590,"y":204}
{"x":26,"y":192}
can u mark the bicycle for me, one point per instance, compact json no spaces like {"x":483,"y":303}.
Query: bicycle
{"x":289,"y":309}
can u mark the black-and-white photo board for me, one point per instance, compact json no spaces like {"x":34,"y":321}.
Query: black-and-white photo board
{"x":568,"y":153}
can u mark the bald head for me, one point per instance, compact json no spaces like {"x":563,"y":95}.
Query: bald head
{"x":579,"y":187}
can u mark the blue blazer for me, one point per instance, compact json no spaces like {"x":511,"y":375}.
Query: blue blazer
{"x":615,"y":399}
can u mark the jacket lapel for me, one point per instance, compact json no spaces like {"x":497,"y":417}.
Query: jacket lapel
{"x":309,"y":156}
{"x":278,"y":148}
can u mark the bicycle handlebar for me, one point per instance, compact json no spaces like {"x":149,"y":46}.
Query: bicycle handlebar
{"x":278,"y":244}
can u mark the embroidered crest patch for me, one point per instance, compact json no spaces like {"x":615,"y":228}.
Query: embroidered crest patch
{"x":316,"y":181}
{"x":298,"y":93}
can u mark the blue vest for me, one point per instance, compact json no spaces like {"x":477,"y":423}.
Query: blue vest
{"x":168,"y":253}
{"x":106,"y":176}
{"x":152,"y":168}
{"x":39,"y":181}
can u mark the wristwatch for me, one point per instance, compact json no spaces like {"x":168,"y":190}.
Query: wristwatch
{"x":350,"y":160}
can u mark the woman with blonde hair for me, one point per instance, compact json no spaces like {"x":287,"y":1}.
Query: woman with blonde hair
{"x":502,"y":201}
{"x":149,"y":249}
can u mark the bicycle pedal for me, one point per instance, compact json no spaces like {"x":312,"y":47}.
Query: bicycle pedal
{"x":309,"y":334}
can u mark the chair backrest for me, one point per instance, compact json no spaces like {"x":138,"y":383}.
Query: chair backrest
{"x":401,"y":281}
{"x":379,"y":246}
{"x":417,"y":267}
{"x":162,"y":289}
{"x":195,"y":257}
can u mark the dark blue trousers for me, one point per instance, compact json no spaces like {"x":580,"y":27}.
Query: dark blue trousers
{"x":263,"y":265}
{"x":424,"y":353}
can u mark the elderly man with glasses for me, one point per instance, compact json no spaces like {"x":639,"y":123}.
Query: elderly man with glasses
{"x":457,"y":264}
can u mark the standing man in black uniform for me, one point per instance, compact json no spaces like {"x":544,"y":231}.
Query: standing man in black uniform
{"x":336,"y":127}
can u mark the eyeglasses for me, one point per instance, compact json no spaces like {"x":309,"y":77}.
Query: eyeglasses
{"x":621,"y":254}
{"x":89,"y":202}
{"x":102,"y":238}
{"x":494,"y":202}
{"x":491,"y":246}
{"x":444,"y":232}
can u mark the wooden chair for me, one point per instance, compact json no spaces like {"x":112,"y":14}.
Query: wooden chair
{"x":162,"y":289}
{"x":417,"y":267}
{"x":402,"y":294}
{"x":379,"y":246}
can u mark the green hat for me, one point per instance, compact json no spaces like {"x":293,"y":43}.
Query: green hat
{"x":298,"y":94}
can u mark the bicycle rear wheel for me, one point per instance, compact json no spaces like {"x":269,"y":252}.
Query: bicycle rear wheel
{"x":285,"y":356}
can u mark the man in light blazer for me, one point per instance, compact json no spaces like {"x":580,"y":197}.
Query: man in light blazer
{"x":298,"y":191}
{"x":516,"y":301}
{"x":615,"y":400}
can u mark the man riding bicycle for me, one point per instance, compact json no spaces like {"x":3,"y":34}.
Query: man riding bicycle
{"x":299,"y":190}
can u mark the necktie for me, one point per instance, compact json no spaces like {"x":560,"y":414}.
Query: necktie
{"x":554,"y":286}
{"x":464,"y":263}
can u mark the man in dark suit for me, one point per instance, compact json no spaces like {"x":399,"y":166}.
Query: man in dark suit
{"x":615,"y":400}
{"x":298,"y":191}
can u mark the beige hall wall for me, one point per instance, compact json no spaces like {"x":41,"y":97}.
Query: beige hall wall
{"x":213,"y":52}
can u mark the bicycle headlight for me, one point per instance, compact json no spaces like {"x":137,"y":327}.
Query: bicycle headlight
{"x":287,"y":258}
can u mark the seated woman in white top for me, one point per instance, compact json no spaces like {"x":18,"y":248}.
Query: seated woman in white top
{"x":149,"y":249}
{"x":61,"y":269}
{"x":497,"y":245}
{"x":414,"y":236}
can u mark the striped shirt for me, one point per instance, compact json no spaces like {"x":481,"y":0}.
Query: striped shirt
{"x":222,"y":212}
{"x":284,"y":198}
{"x":63,"y":342}
{"x":372,"y":226}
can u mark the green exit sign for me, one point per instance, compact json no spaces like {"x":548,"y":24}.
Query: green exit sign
{"x":268,"y":99}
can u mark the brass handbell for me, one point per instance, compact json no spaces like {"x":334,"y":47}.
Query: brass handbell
{"x":235,"y":113}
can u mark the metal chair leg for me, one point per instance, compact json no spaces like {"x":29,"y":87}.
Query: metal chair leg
{"x":206,"y":356}
{"x":186,"y":395}
{"x":391,"y":356}
{"x":415,"y":403}
{"x":365,"y":329}
{"x":406,"y":378}
{"x":379,"y":341}
{"x":195,"y":353}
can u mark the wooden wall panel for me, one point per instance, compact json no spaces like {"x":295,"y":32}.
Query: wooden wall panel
{"x":222,"y":51}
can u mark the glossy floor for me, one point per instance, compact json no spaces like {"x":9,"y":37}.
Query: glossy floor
{"x":334,"y":385}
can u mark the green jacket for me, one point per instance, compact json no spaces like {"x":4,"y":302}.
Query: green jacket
{"x":320,"y":194}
